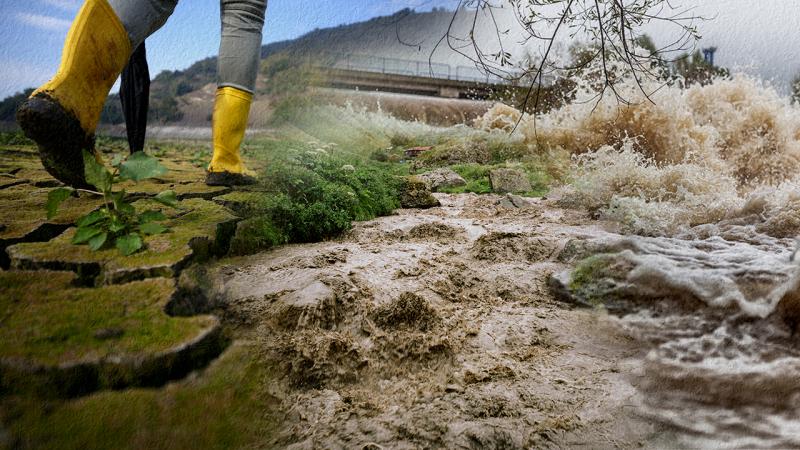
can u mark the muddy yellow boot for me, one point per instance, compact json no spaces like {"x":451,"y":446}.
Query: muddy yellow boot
{"x":231,"y":109}
{"x":62,"y":115}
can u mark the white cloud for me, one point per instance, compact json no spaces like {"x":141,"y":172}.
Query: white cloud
{"x":44,"y":22}
{"x":66,"y":5}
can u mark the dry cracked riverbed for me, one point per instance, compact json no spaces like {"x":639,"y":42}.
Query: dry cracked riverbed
{"x":436,"y":328}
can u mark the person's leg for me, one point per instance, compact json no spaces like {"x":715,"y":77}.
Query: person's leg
{"x":134,"y":94}
{"x":238,"y":62}
{"x":62,"y":115}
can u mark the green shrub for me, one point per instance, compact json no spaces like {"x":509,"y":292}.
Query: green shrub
{"x":312,"y":196}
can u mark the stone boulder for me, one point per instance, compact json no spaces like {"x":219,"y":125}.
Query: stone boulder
{"x":442,"y":179}
{"x":509,"y":180}
{"x":415,"y":193}
{"x":512,"y":201}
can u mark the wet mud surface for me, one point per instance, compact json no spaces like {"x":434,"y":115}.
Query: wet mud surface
{"x":436,"y":328}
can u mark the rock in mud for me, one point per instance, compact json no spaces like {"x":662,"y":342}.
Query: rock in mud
{"x":598,"y":280}
{"x":58,"y":340}
{"x":578,"y":249}
{"x":789,"y":305}
{"x":442,"y":179}
{"x":415,"y":193}
{"x":512,"y":201}
{"x":509,"y":180}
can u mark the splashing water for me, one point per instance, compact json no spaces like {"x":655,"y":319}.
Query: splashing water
{"x":688,"y":157}
{"x":706,"y":182}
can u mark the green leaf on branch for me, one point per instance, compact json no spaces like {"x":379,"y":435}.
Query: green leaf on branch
{"x":83,"y":234}
{"x":140,"y":166}
{"x":117,"y":160}
{"x":151,"y":216}
{"x":55,"y":198}
{"x":96,"y":174}
{"x":116,"y":226}
{"x":152,"y":228}
{"x":168,"y":198}
{"x":129,"y":244}
{"x":91,"y":218}
{"x":96,"y":242}
{"x":120,"y":204}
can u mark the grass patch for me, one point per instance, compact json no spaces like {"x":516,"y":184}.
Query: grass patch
{"x":314,"y":192}
{"x":14,"y":138}
{"x":225,"y":407}
{"x":476,"y":176}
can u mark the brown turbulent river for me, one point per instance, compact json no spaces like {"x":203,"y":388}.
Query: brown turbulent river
{"x":449,"y":328}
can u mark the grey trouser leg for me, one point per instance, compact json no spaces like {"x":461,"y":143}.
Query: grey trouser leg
{"x":240,"y":46}
{"x":142,"y":18}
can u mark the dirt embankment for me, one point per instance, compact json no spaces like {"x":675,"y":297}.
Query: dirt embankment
{"x":436,"y":328}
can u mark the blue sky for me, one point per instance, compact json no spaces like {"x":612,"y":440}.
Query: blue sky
{"x":32,"y":31}
{"x":757,"y":36}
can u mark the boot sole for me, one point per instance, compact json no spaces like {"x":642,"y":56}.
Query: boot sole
{"x":229,"y":179}
{"x":59,"y":136}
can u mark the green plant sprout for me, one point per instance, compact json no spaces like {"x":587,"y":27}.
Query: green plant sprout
{"x":116,"y":221}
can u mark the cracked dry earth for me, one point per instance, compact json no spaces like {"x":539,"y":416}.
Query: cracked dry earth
{"x":436,"y":328}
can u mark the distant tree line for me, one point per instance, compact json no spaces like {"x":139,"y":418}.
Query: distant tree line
{"x":8,"y":107}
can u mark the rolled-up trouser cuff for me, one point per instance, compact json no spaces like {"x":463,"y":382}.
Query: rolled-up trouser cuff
{"x":249,"y":90}
{"x":141,"y":18}
{"x":240,"y":45}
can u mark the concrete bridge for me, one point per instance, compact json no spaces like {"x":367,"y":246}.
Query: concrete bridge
{"x":374,"y":73}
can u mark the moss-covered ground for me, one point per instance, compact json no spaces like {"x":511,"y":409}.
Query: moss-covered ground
{"x":48,"y":321}
{"x":194,"y":230}
{"x":225,"y":407}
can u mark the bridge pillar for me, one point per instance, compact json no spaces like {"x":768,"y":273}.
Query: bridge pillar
{"x":449,"y":92}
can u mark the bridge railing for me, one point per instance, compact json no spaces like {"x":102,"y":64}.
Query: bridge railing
{"x":408,"y":67}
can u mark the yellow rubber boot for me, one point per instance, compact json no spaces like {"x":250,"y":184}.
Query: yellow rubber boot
{"x":229,"y":122}
{"x":62,"y":115}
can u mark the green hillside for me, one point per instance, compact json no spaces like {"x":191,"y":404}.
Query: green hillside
{"x":406,"y":34}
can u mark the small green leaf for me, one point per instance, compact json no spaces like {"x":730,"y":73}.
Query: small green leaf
{"x":116,"y":226}
{"x":55,"y":198}
{"x":91,"y":218}
{"x":168,"y":198}
{"x":140,"y":166}
{"x":118,"y":158}
{"x":96,"y":174}
{"x":83,"y":234}
{"x":151,"y":216}
{"x":120,"y":204}
{"x":96,"y":242}
{"x":129,"y":244}
{"x":152,"y":228}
